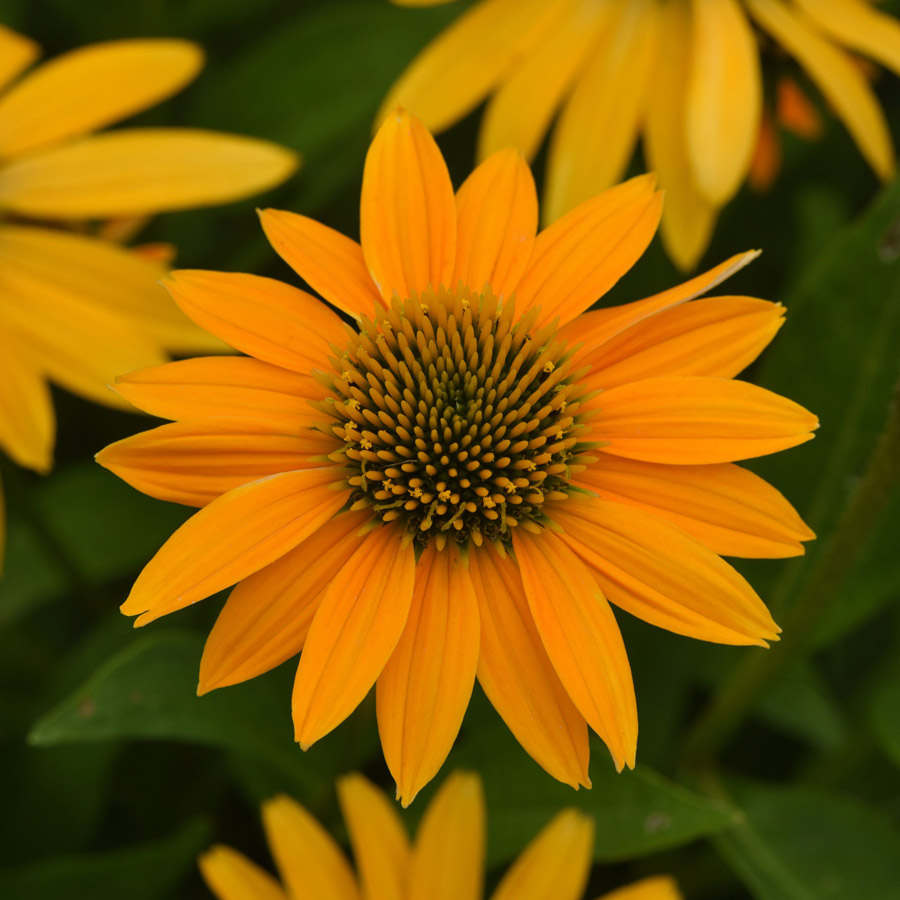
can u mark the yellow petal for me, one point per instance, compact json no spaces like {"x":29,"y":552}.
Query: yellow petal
{"x":234,"y":536}
{"x":496,"y":214}
{"x":27,"y":422}
{"x":594,"y":138}
{"x":688,"y":218}
{"x":260,"y":316}
{"x":448,"y":857}
{"x":196,"y":462}
{"x":859,"y":26}
{"x":424,"y":690}
{"x":231,"y":876}
{"x":311,"y":864}
{"x":518,"y":677}
{"x":267,"y":616}
{"x":591,"y":330}
{"x":659,"y":887}
{"x":582,"y":639}
{"x":356,"y":628}
{"x":380,"y":845}
{"x":717,"y":336}
{"x":407,"y":211}
{"x":582,"y":255}
{"x":230,"y":386}
{"x":555,"y":865}
{"x":724,"y":98}
{"x":659,"y":573}
{"x":331,"y":263}
{"x":683,"y":419}
{"x":522,"y":107}
{"x":727,"y":508}
{"x":91,"y":87}
{"x":457,"y":70}
{"x":142,"y":170}
{"x":17,"y":52}
{"x":839,"y":79}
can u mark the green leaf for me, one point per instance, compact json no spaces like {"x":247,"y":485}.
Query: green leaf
{"x":145,"y":872}
{"x":884,"y":712}
{"x":637,"y":813}
{"x":805,"y":844}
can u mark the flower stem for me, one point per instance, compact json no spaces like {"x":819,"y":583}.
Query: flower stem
{"x":732,"y":703}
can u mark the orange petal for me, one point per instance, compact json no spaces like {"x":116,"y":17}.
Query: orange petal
{"x":407,"y":211}
{"x":195,"y":462}
{"x":229,"y":386}
{"x":262,"y":317}
{"x":27,"y":422}
{"x":91,"y":87}
{"x":448,"y":857}
{"x":724,"y":98}
{"x":582,"y":255}
{"x":718,"y":337}
{"x":582,"y":639}
{"x":380,"y":845}
{"x":231,"y":876}
{"x":555,"y":865}
{"x":329,"y":262}
{"x":727,"y":508}
{"x":356,"y":628}
{"x":310,"y":862}
{"x":683,"y":419}
{"x":16,"y":53}
{"x":424,"y":690}
{"x":594,"y":328}
{"x":796,"y":112}
{"x":518,"y":677}
{"x":658,"y":887}
{"x":234,"y":536}
{"x":659,"y":573}
{"x":766,"y":162}
{"x":496,"y":215}
{"x":267,"y":616}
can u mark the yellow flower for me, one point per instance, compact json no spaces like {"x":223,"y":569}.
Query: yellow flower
{"x":74,"y":308}
{"x":683,"y":73}
{"x":446,"y":861}
{"x":509,"y":520}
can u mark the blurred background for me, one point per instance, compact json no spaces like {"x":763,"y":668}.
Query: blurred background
{"x":113,"y":775}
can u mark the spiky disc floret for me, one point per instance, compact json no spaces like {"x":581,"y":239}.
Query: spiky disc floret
{"x":457,"y":420}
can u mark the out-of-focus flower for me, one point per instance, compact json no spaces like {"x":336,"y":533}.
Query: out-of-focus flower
{"x":74,"y":308}
{"x":684,"y":73}
{"x":446,"y":861}
{"x":459,"y":483}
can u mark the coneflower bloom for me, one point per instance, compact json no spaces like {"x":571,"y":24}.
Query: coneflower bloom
{"x":686,"y":75}
{"x":74,"y":308}
{"x":445,"y":862}
{"x":459,"y":482}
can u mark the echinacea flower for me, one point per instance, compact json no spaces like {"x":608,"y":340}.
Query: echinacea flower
{"x":685,"y":74}
{"x":445,"y":862}
{"x":456,"y":484}
{"x":76,"y":309}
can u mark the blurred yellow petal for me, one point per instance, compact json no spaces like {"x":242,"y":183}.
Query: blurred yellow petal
{"x":380,"y":844}
{"x":16,"y":53}
{"x":859,"y":26}
{"x":142,"y":170}
{"x":457,"y":69}
{"x":598,"y":127}
{"x":839,"y":79}
{"x":555,"y":865}
{"x":724,"y":98}
{"x":522,"y":107}
{"x":688,"y":218}
{"x":659,"y":887}
{"x":448,"y":857}
{"x":311,"y":864}
{"x":91,"y":87}
{"x":231,"y":876}
{"x":27,"y":422}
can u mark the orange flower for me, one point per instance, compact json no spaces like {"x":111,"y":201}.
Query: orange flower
{"x":459,"y":483}
{"x":446,"y":862}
